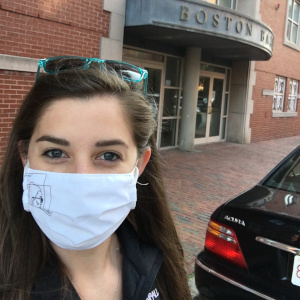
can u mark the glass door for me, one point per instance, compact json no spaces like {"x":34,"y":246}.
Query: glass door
{"x":209,"y":109}
{"x":154,"y":90}
{"x":165,"y":86}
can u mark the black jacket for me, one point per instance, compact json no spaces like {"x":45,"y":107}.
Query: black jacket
{"x":141,"y":263}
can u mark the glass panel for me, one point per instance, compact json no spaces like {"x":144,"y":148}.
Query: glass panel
{"x":234,"y":4}
{"x":287,"y":176}
{"x":224,"y":128}
{"x":216,"y":103}
{"x":281,"y":85}
{"x":225,"y":105}
{"x":292,"y":104}
{"x":142,"y":55}
{"x":296,"y":12}
{"x":172,"y":71}
{"x":290,"y":13}
{"x":274,"y":102}
{"x":288,"y":30}
{"x":203,"y":91}
{"x":294,"y":108}
{"x":294,"y":33}
{"x":154,"y":77}
{"x":279,"y":103}
{"x":225,"y":3}
{"x":295,"y":88}
{"x":292,"y":100}
{"x":168,"y":133}
{"x":227,"y":80}
{"x":207,"y":67}
{"x":170,"y":103}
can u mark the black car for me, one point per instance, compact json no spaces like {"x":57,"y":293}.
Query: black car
{"x":252,"y":245}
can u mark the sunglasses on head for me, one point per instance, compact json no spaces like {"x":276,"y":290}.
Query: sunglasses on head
{"x":127,"y":72}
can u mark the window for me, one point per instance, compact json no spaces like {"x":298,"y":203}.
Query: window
{"x":279,"y":89}
{"x":292,"y":104}
{"x":225,"y":3}
{"x":292,"y":25}
{"x":287,"y":176}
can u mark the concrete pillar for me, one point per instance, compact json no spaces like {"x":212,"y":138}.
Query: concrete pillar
{"x":112,"y":47}
{"x":190,"y":97}
{"x":241,"y":103}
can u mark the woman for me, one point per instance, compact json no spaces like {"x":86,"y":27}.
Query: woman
{"x":81,"y":141}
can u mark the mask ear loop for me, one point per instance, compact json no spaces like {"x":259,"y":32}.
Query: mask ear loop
{"x":27,"y":163}
{"x":142,"y":183}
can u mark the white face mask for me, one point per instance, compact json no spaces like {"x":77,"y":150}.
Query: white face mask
{"x":78,"y":211}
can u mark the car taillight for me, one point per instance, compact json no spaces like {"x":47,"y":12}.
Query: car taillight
{"x":222,"y":241}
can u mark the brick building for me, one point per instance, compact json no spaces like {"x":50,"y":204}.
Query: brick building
{"x":212,"y":64}
{"x":275,"y":115}
{"x":32,"y":29}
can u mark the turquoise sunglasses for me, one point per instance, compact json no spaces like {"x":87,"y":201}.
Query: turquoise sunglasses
{"x":127,"y":72}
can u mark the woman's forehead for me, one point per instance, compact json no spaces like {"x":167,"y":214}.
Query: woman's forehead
{"x":99,"y":115}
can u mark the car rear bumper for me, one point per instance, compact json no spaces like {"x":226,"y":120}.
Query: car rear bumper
{"x":213,"y":285}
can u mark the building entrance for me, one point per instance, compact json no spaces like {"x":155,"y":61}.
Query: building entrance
{"x":209,"y":108}
{"x":164,"y":86}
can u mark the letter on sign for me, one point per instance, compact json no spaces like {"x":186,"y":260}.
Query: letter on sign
{"x":184,"y":13}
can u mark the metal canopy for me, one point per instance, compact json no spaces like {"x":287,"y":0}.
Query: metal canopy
{"x":220,"y":32}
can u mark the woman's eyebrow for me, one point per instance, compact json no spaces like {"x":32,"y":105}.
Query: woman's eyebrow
{"x":53,"y":139}
{"x":104,"y":143}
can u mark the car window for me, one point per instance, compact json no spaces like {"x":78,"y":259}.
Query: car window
{"x":287,"y":176}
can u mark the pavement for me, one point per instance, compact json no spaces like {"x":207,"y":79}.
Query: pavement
{"x":197,"y":182}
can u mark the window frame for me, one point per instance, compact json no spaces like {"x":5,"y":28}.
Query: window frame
{"x":231,"y":4}
{"x":287,"y":41}
{"x":284,"y":113}
{"x":293,"y":95}
{"x":279,"y":93}
{"x":217,"y":2}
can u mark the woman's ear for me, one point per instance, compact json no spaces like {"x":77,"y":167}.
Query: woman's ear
{"x":143,"y":160}
{"x":22,"y":152}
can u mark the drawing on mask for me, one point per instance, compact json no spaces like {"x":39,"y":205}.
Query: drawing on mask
{"x":39,"y":193}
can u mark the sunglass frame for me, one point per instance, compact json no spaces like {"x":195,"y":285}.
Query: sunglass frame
{"x":143,"y":73}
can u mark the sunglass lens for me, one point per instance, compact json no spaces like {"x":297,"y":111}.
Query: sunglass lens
{"x":64,"y":64}
{"x":126,"y":71}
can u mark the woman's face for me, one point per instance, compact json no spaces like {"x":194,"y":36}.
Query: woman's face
{"x":84,"y":136}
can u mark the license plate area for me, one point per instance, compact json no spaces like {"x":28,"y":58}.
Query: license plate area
{"x":296,"y":271}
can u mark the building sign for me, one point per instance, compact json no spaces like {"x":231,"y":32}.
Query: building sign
{"x":200,"y":18}
{"x":222,"y":22}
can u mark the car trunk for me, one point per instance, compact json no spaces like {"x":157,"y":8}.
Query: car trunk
{"x":268,"y":232}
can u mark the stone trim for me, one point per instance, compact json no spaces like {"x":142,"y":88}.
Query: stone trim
{"x":18,"y":63}
{"x":284,"y":114}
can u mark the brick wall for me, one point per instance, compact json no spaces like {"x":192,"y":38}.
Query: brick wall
{"x":51,"y":28}
{"x":13,"y":87}
{"x":38,"y":29}
{"x":284,"y":63}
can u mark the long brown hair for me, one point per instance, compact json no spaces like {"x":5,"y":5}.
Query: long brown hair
{"x":23,"y":246}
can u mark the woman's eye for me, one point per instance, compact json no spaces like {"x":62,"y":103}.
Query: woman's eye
{"x":54,"y":153}
{"x":110,"y":156}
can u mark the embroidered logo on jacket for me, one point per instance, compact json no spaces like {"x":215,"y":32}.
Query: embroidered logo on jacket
{"x":153,"y":295}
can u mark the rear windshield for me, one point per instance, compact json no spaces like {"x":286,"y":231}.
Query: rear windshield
{"x":287,"y":176}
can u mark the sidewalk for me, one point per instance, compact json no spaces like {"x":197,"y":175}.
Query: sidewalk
{"x":198,"y":182}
